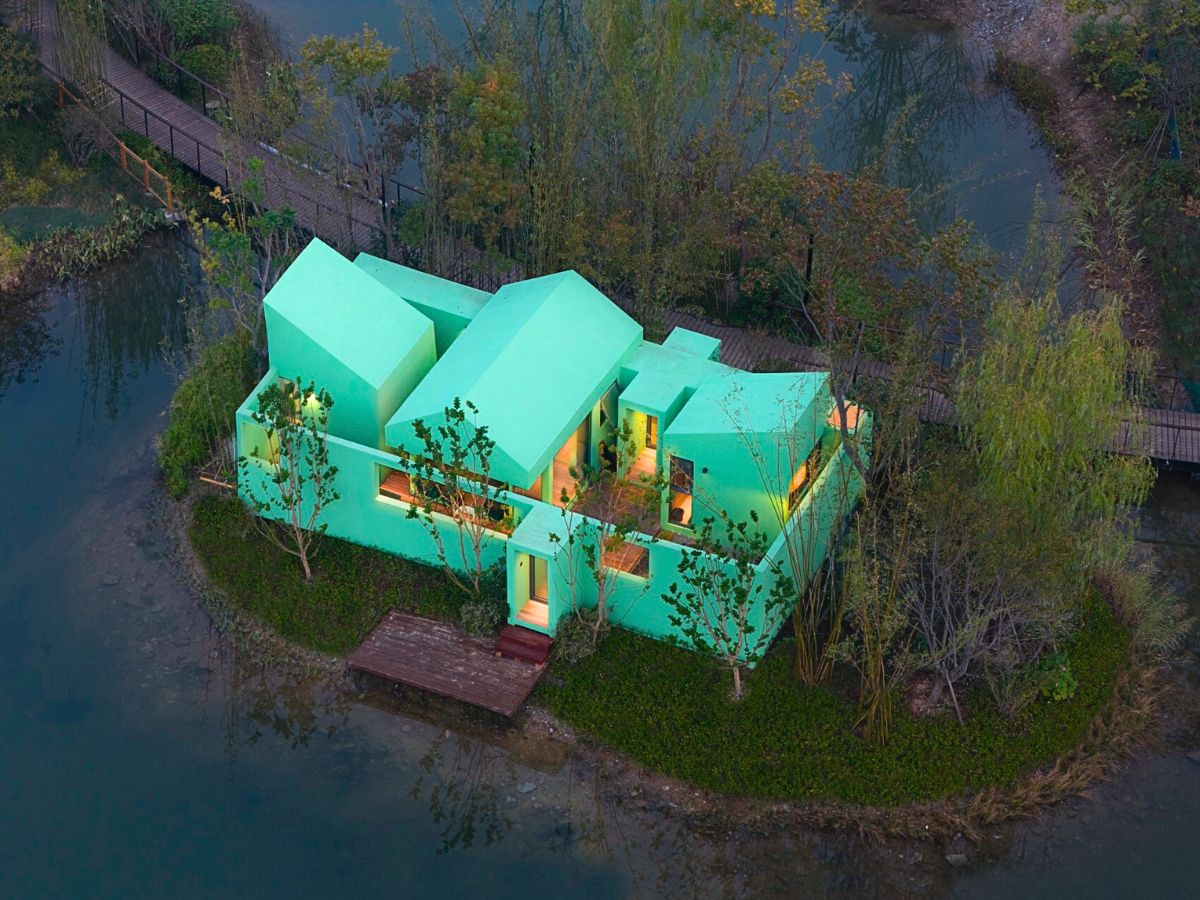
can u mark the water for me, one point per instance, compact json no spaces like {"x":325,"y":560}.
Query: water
{"x":141,"y":756}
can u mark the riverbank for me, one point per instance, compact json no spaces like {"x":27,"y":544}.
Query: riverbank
{"x":934,"y":780}
{"x":1031,"y":43}
{"x":65,"y":207}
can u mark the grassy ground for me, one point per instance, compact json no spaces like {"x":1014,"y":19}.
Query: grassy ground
{"x":670,"y":709}
{"x":352,"y":588}
{"x":41,"y":190}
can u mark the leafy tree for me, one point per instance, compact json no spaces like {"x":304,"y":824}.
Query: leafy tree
{"x":451,"y":479}
{"x":300,"y":475}
{"x":18,"y":71}
{"x":348,"y":82}
{"x":722,"y":609}
{"x":245,"y":250}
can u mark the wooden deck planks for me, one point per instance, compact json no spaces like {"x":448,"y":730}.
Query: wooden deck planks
{"x":438,"y":658}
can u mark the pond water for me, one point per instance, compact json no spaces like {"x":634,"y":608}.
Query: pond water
{"x":141,"y":756}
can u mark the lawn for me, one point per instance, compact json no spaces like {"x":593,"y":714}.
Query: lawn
{"x":352,"y":587}
{"x":670,"y":709}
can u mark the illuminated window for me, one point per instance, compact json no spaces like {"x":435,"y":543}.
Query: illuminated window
{"x":680,"y":499}
{"x":803,"y":476}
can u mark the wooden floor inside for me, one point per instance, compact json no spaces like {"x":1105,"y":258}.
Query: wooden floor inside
{"x":438,"y":658}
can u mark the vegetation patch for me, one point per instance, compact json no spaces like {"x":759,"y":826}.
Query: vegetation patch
{"x":202,"y":410}
{"x":670,"y":710}
{"x":351,"y":589}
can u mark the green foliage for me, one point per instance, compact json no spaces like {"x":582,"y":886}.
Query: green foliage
{"x":198,"y":21}
{"x":486,"y":612}
{"x":12,"y":260}
{"x":578,"y":636}
{"x":351,"y":591}
{"x":668,"y":708}
{"x":209,"y":61}
{"x":202,"y":411}
{"x":1058,"y":681}
{"x":18,"y":71}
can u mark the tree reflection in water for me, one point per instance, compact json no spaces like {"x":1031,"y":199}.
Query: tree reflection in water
{"x":914,"y":95}
{"x":460,"y":776}
{"x":25,"y":338}
{"x":122,"y":321}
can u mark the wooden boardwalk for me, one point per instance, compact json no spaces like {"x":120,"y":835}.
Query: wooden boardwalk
{"x":438,"y":658}
{"x":1170,"y":437}
{"x":138,"y":103}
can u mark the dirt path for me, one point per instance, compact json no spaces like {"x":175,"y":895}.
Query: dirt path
{"x":1037,"y":33}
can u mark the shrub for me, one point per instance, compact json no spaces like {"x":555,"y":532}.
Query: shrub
{"x":12,"y":260}
{"x":578,"y":637}
{"x":199,"y":21}
{"x":487,"y":612}
{"x":209,"y":61}
{"x":1058,"y":681}
{"x":18,"y":71}
{"x":202,"y":410}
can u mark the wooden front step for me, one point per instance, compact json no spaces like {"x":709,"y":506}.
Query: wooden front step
{"x":521,"y":643}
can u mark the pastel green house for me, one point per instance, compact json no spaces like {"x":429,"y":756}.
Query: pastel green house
{"x":563,"y":380}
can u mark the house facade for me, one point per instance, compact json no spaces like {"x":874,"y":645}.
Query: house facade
{"x":564,"y":382}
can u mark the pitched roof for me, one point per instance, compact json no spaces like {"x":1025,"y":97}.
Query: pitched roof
{"x":534,"y":360}
{"x":428,"y":293}
{"x":663,"y":373}
{"x":346,"y":312}
{"x":757,"y":403}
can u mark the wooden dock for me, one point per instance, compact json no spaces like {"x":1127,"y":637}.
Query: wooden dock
{"x":441,"y":659}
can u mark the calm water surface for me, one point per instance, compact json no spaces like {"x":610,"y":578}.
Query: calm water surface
{"x":140,"y":756}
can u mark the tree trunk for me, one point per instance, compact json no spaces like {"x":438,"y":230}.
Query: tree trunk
{"x":304,"y":563}
{"x":737,"y":682}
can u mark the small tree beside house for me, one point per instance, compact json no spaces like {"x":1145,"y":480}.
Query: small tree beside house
{"x":714,"y":610}
{"x":301,"y":478}
{"x":451,"y":480}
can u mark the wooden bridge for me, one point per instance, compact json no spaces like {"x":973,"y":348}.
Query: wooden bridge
{"x":1169,"y":435}
{"x":133,"y":100}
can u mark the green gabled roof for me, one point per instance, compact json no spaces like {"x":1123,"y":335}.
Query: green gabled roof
{"x":693,"y":342}
{"x":346,"y":312}
{"x":533,"y":534}
{"x":534,"y":360}
{"x":663,"y":373}
{"x":428,"y":293}
{"x":759,"y":403}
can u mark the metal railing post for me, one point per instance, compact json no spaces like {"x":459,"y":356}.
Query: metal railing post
{"x":171,"y":132}
{"x":146,"y":121}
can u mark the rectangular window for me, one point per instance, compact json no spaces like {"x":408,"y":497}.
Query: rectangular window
{"x":652,"y":431}
{"x":803,"y":477}
{"x":680,"y":497}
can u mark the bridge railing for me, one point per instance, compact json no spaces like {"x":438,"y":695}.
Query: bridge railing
{"x":130,"y":162}
{"x":194,"y":90}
